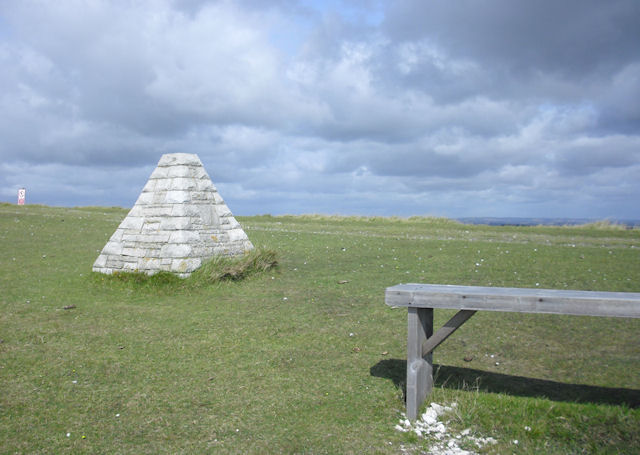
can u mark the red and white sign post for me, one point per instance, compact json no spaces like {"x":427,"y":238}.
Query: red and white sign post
{"x":22,"y":194}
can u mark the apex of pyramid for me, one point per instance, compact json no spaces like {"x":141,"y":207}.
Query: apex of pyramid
{"x":172,"y":159}
{"x":178,"y":221}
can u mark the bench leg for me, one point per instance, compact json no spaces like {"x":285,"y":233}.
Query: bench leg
{"x":419,"y":369}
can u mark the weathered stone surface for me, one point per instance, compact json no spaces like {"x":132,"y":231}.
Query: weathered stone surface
{"x":178,"y":221}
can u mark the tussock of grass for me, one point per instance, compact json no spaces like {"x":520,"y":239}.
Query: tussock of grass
{"x":221,"y":268}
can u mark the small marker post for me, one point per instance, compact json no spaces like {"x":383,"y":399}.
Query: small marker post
{"x":22,"y":195}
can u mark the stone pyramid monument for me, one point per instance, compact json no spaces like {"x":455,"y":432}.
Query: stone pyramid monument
{"x":178,"y":221}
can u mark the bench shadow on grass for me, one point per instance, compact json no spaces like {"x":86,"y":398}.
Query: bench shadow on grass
{"x":470,"y":379}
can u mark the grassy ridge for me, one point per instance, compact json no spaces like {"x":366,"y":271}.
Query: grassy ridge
{"x":307,"y":358}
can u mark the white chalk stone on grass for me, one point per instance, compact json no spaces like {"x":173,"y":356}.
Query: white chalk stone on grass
{"x":178,"y":221}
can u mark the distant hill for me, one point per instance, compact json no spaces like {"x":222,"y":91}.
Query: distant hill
{"x":515,"y":221}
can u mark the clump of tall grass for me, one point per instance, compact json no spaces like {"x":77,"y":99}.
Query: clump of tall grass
{"x":234,"y":268}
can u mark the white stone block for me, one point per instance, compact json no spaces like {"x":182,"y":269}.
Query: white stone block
{"x":176,"y":222}
{"x":144,"y":199}
{"x":136,"y":211}
{"x":130,"y":238}
{"x":237,"y":235}
{"x":132,"y":222}
{"x":101,"y":261}
{"x":206,"y":186}
{"x":157,"y":210}
{"x":179,"y":171}
{"x":158,"y":197}
{"x":200,"y":250}
{"x":152,"y":252}
{"x":165,"y":184}
{"x":117,"y":235}
{"x":177,"y":197}
{"x":185,"y":265}
{"x":184,"y":184}
{"x":150,"y":264}
{"x":173,"y":159}
{"x":171,"y":250}
{"x":130,"y":267}
{"x":113,"y":262}
{"x":202,"y":196}
{"x":159,"y":238}
{"x":112,"y":249}
{"x":150,"y":227}
{"x":150,"y":186}
{"x":159,"y":173}
{"x":233,"y":223}
{"x":201,"y":174}
{"x":184,"y":237}
{"x":207,"y":215}
{"x":222,"y":238}
{"x":179,"y":210}
{"x":133,"y":252}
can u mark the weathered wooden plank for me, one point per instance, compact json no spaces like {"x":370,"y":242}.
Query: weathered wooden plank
{"x":519,"y":300}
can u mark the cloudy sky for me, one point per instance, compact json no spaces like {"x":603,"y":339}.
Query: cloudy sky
{"x":411,"y":107}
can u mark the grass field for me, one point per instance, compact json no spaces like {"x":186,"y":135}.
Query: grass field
{"x":307,"y":358}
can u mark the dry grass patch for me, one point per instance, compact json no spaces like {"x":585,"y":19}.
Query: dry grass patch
{"x":221,"y":268}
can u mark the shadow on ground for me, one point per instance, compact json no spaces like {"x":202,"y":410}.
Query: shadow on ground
{"x":485,"y":381}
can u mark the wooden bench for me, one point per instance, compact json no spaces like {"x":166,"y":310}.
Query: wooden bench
{"x":422,"y":299}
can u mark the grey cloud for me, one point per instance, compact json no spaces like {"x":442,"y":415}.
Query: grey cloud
{"x":572,"y":37}
{"x":586,"y":156}
{"x":619,"y":109}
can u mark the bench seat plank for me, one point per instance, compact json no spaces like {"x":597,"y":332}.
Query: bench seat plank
{"x":518,"y":300}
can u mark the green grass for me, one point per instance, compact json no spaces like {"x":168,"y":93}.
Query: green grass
{"x":306,"y":357}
